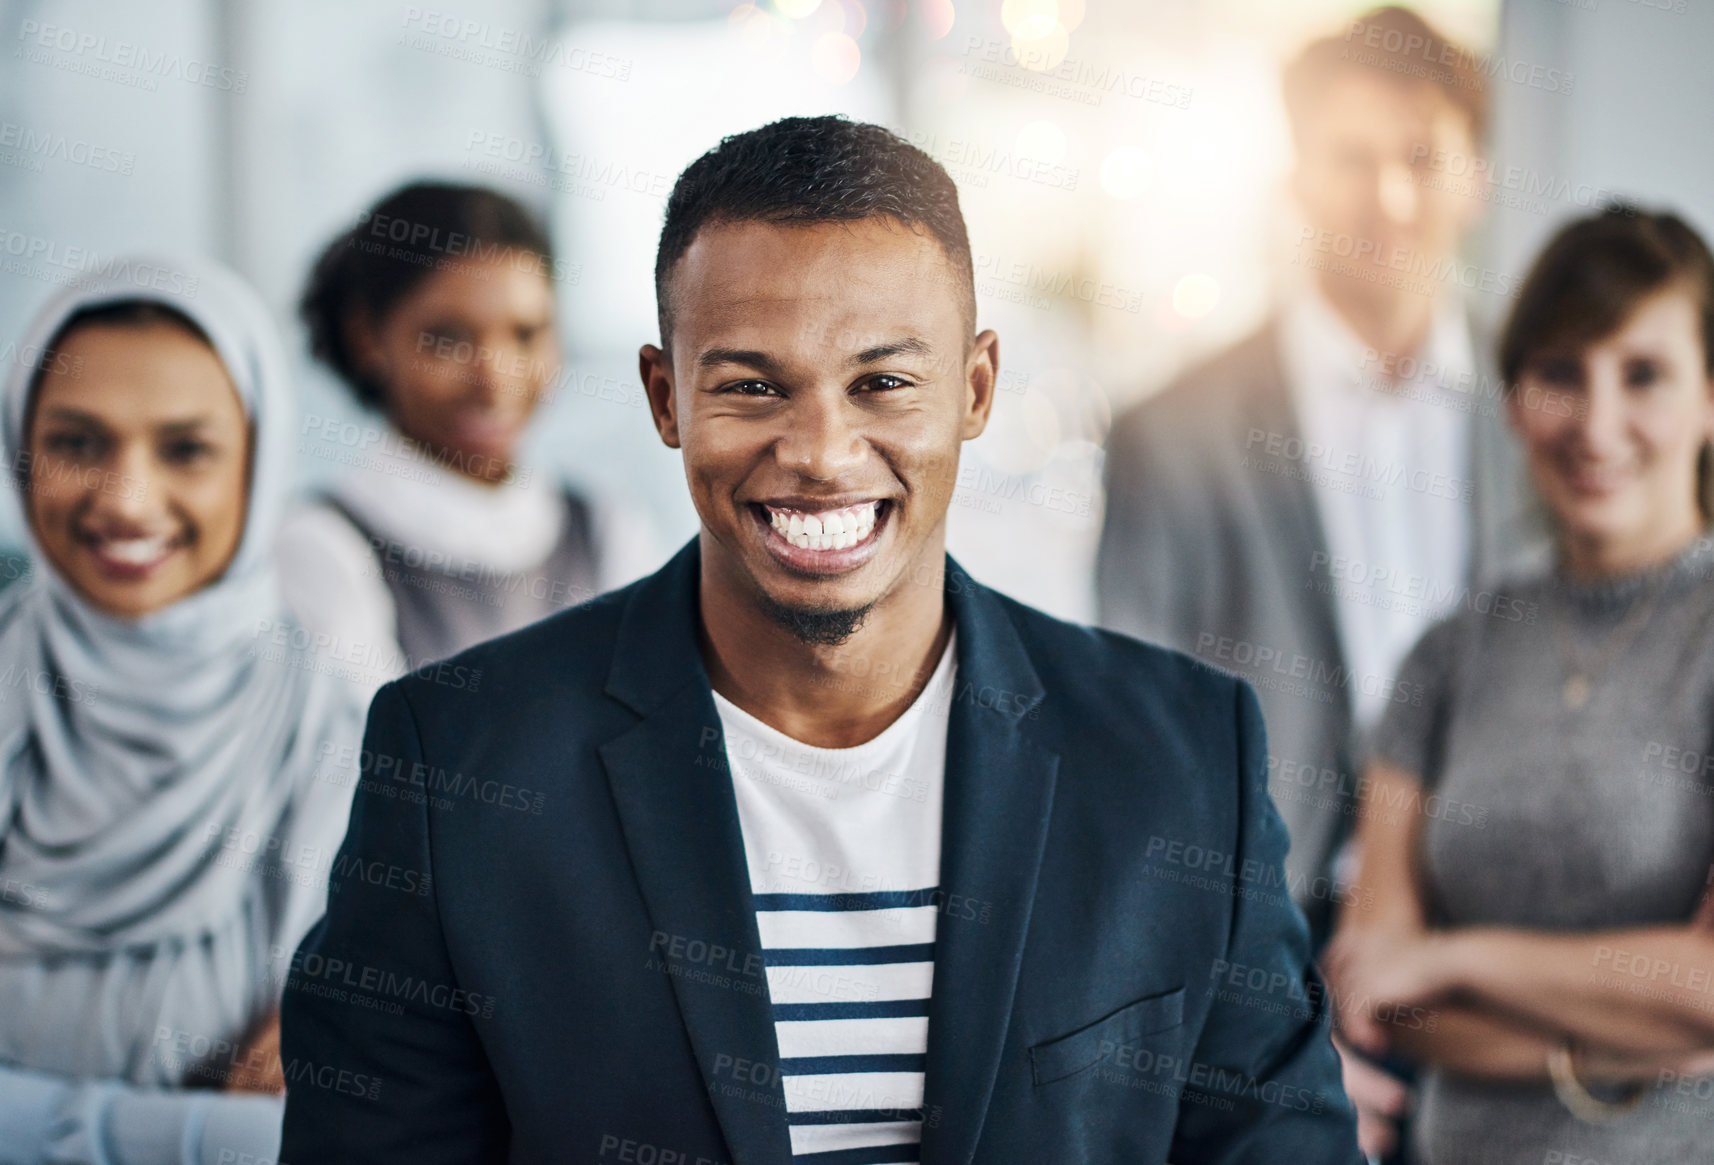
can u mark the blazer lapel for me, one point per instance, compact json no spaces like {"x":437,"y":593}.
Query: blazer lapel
{"x":999,"y":796}
{"x":680,"y":819}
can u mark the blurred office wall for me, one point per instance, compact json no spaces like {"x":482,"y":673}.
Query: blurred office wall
{"x":1121,"y":164}
{"x":1634,"y":123}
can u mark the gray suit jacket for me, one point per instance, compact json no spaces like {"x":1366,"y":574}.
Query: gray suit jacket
{"x":1210,"y":545}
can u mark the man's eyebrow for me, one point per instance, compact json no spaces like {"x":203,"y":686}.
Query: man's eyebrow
{"x":906,"y":346}
{"x":762,"y":362}
{"x":188,"y":425}
{"x":749,"y":358}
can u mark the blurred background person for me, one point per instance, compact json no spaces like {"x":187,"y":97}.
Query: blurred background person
{"x":1125,"y":160}
{"x":1528,"y":842}
{"x":1301,"y":506}
{"x":437,"y":311}
{"x":165,"y":830}
{"x":1229,"y":498}
{"x":1128,"y":160}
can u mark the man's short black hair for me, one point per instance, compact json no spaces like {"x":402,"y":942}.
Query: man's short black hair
{"x":813,"y":170}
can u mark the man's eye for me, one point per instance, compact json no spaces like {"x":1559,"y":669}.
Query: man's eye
{"x":750,"y":388}
{"x":887,"y":380}
{"x":186,"y":451}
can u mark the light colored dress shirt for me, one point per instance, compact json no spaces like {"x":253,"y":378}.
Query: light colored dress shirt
{"x":1389,"y":467}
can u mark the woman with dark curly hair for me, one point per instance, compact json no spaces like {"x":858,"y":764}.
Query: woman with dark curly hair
{"x":437,"y":310}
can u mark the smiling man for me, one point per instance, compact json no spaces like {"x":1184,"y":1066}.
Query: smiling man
{"x":824,"y":852}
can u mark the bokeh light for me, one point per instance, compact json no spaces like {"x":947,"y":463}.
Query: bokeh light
{"x":1042,"y":141}
{"x":937,"y":17}
{"x":753,"y":26}
{"x":1029,"y":19}
{"x":835,"y":57}
{"x":1195,"y":295}
{"x":1044,"y":51}
{"x":1125,"y":172}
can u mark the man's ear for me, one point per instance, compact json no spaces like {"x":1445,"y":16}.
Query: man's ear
{"x":655,"y":366}
{"x":981,"y":374}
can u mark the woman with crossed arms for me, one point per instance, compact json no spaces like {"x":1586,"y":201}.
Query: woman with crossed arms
{"x":1502,"y":947}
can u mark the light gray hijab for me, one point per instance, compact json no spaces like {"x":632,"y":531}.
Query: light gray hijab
{"x":125,"y":744}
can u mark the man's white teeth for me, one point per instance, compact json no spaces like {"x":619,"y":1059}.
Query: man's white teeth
{"x":134,"y":551}
{"x":829,"y":530}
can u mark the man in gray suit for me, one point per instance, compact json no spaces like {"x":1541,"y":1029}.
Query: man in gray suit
{"x":1299,"y":508}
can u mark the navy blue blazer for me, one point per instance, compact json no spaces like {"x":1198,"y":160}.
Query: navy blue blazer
{"x":541,"y":945}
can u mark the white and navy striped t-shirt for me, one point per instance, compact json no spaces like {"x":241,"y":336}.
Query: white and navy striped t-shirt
{"x":844,"y":853}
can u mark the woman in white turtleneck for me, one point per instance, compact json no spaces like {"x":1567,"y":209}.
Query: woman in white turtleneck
{"x":437,"y":309}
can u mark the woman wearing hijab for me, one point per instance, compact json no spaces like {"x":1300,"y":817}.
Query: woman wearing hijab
{"x":171,"y":780}
{"x":437,"y":310}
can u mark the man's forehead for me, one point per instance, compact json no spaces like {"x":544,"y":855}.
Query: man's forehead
{"x":726,"y":257}
{"x":845,"y":284}
{"x":1357,"y":99}
{"x":816,"y":289}
{"x":817,"y":328}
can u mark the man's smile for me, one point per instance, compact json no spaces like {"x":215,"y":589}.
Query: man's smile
{"x":815,"y":537}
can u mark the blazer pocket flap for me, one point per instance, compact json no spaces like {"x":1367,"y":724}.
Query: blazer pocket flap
{"x":1088,"y":1046}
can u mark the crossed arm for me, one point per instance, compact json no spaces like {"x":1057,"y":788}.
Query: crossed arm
{"x":1497,"y":1000}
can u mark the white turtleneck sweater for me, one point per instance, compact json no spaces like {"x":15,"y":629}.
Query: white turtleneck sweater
{"x":332,"y":580}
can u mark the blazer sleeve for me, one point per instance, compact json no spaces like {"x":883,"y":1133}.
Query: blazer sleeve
{"x":1264,"y":1085}
{"x":405,"y":1080}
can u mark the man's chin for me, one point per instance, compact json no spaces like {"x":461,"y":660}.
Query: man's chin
{"x":816,"y":625}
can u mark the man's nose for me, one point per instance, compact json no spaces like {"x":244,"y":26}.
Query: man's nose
{"x":1397,"y":193}
{"x":823,"y":439}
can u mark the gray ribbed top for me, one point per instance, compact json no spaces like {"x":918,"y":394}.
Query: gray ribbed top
{"x":1545,"y":816}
